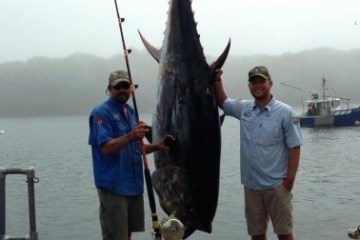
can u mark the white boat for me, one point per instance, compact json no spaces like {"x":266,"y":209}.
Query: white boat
{"x":329,"y":111}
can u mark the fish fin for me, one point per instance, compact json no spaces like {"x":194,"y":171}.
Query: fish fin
{"x":154,"y":52}
{"x":219,"y":62}
{"x":148,"y":135}
{"x":222,"y":118}
{"x":188,"y":232}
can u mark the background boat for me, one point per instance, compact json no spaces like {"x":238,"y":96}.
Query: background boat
{"x":328,"y":111}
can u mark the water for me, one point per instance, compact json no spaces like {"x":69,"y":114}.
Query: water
{"x":326,"y":193}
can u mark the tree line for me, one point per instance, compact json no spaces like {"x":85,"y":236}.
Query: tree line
{"x":72,"y":85}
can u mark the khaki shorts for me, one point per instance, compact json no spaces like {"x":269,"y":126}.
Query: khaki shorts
{"x":264,"y":204}
{"x":120,"y":215}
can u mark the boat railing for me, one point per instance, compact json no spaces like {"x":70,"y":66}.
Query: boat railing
{"x":31,"y":179}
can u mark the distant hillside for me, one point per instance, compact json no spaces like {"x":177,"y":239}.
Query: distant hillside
{"x":73,"y":85}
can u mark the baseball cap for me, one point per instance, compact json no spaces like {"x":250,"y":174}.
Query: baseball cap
{"x":260,"y":71}
{"x":118,"y":76}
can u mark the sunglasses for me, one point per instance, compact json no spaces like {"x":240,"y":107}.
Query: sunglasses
{"x":257,"y":81}
{"x":121,"y":86}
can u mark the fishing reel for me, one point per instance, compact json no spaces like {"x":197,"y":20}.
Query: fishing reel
{"x":172,"y":228}
{"x":354,"y":232}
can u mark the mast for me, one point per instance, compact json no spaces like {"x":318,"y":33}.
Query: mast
{"x":323,"y":88}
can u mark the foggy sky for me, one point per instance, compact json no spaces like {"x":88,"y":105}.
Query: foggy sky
{"x":58,"y":28}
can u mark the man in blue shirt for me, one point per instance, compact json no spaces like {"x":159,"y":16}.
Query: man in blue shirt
{"x":270,"y":140}
{"x":115,"y":137}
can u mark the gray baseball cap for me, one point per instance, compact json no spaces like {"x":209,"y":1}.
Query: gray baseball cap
{"x":118,"y":76}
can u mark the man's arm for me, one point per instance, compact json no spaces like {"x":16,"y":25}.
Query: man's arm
{"x":293,"y":164}
{"x":163,"y":144}
{"x":220,"y":93}
{"x":116,"y":144}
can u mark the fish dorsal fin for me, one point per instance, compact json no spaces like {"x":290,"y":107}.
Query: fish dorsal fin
{"x":154,"y":52}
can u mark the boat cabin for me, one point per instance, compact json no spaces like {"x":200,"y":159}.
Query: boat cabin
{"x":322,"y":107}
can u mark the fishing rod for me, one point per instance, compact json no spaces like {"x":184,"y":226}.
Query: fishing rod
{"x":155,"y":221}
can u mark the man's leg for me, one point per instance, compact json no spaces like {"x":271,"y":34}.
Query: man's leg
{"x":113,"y":216}
{"x":256,"y":215}
{"x":286,"y":237}
{"x":259,"y":237}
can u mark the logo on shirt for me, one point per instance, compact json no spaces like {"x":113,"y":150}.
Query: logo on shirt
{"x":116,"y":116}
{"x":247,"y":114}
{"x":99,"y":120}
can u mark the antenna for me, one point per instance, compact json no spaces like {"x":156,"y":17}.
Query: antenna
{"x":295,"y":87}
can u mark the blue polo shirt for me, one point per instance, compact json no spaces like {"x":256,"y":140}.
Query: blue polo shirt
{"x":266,"y":137}
{"x":120,"y":172}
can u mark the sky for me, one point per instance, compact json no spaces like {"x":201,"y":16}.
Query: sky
{"x":58,"y":28}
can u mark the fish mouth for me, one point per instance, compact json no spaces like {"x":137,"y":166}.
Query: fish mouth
{"x":176,"y":197}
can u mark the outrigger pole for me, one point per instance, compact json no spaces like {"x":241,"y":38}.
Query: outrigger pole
{"x":155,"y":222}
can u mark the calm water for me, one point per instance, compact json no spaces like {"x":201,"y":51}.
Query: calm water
{"x":326,"y":194}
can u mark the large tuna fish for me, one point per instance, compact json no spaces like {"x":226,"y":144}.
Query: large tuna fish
{"x":186,"y":178}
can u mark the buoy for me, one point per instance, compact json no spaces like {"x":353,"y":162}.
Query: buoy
{"x":357,"y":123}
{"x":2,"y":131}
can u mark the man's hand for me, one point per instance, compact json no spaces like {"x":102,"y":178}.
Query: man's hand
{"x":218,"y":72}
{"x":138,"y":132}
{"x":288,"y":184}
{"x":166,"y":142}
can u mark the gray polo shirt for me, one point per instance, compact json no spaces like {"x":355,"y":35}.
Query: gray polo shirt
{"x":266,"y":137}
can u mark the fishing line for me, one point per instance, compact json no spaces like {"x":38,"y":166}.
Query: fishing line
{"x":155,"y":222}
